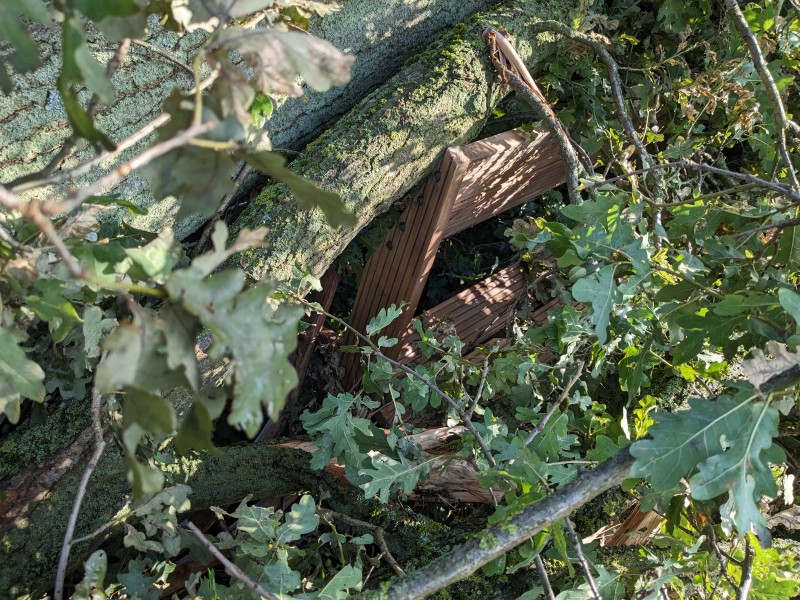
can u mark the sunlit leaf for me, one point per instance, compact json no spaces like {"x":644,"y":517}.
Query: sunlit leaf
{"x":20,"y":377}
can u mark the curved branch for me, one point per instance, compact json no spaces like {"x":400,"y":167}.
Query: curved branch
{"x":760,"y":63}
{"x":493,"y":542}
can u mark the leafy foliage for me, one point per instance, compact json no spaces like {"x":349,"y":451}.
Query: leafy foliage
{"x":673,"y":271}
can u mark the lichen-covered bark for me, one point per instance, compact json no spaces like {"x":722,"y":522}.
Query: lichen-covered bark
{"x":30,"y":539}
{"x":393,"y":137}
{"x":33,"y":123}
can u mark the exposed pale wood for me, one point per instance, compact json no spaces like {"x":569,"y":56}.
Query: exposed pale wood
{"x":452,"y":479}
{"x":398,"y":270}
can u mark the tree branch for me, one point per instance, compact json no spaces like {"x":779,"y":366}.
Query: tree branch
{"x":511,"y":69}
{"x":542,"y":572}
{"x":784,"y":190}
{"x":587,"y":571}
{"x":746,"y":582}
{"x":100,"y":444}
{"x":760,"y":63}
{"x":493,"y":542}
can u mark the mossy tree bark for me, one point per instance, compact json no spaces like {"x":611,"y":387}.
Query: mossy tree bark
{"x":33,"y":123}
{"x":394,"y":137}
{"x":35,"y":504}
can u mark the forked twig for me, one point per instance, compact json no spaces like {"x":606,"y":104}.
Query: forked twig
{"x":564,"y":393}
{"x":230,"y":568}
{"x":375,"y":529}
{"x":430,"y":385}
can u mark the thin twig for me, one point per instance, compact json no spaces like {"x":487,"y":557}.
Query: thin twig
{"x":696,"y":166}
{"x":564,"y":393}
{"x":430,"y":385}
{"x":5,"y":236}
{"x":79,"y":196}
{"x":87,"y":166}
{"x":376,"y":529}
{"x":760,"y":63}
{"x":43,"y":224}
{"x":170,"y":57}
{"x":746,"y":582}
{"x":619,"y":101}
{"x":587,"y":571}
{"x":230,"y":568}
{"x":770,"y":226}
{"x":723,"y":561}
{"x":542,"y":572}
{"x":100,"y":444}
{"x":481,"y":384}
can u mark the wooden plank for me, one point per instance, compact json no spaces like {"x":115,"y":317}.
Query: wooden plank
{"x":475,"y":314}
{"x":504,"y":171}
{"x":398,"y":270}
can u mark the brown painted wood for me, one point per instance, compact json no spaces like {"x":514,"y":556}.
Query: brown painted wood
{"x":474,"y":182}
{"x":504,"y":171}
{"x":398,"y":270}
{"x":475,"y":314}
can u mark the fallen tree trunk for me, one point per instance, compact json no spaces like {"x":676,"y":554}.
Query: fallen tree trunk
{"x":35,"y":504}
{"x":393,"y":138}
{"x":33,"y":123}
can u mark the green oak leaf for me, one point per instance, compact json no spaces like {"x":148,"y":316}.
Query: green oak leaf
{"x":200,"y":177}
{"x":683,"y":439}
{"x":20,"y":377}
{"x":790,"y":301}
{"x":743,"y":470}
{"x":95,"y":327}
{"x":383,"y":319}
{"x":25,"y":56}
{"x":302,"y":519}
{"x":50,"y":306}
{"x":278,"y":57}
{"x":338,"y":427}
{"x":348,"y":577}
{"x":80,"y":67}
{"x":387,"y":473}
{"x":788,"y":253}
{"x":281,"y":579}
{"x":599,"y":290}
{"x":94,"y":576}
{"x":197,"y":425}
{"x":250,"y":327}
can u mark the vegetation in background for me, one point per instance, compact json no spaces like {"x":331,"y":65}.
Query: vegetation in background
{"x":679,"y":259}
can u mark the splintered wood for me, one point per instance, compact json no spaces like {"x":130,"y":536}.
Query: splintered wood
{"x":473,"y":183}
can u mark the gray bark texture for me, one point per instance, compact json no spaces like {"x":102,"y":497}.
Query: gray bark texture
{"x":394,"y":137}
{"x":33,"y":124}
